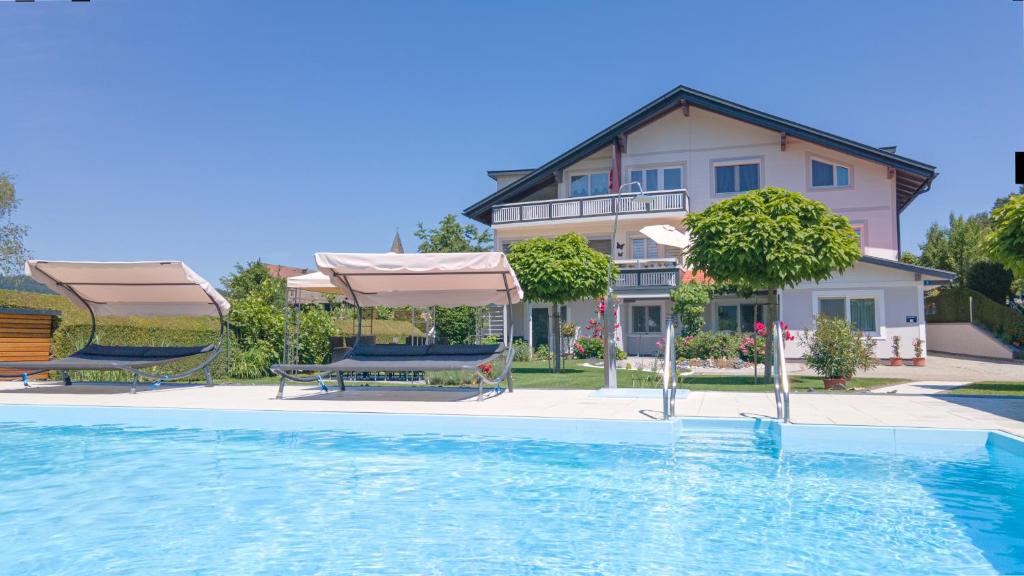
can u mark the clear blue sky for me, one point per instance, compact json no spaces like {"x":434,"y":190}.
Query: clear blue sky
{"x":218,"y":132}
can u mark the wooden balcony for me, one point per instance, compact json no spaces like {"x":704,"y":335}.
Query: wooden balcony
{"x":588,"y":207}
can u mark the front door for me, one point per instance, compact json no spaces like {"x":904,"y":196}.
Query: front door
{"x":540,"y":326}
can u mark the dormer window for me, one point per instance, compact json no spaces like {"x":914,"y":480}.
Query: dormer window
{"x":829,"y":175}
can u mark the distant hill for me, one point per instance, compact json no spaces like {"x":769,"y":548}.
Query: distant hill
{"x":22,"y":284}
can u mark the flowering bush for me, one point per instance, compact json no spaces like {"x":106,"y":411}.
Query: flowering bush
{"x":593,"y":348}
{"x":487,"y":368}
{"x":708,"y":345}
{"x":835,"y":350}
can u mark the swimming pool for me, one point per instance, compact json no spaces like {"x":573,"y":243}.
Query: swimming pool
{"x":136,"y":491}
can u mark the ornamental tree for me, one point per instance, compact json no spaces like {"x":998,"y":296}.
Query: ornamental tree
{"x":559,"y":270}
{"x":1006,"y":241}
{"x":770,"y":239}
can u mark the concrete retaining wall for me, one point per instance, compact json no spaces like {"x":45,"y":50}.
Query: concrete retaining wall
{"x":965,"y":338}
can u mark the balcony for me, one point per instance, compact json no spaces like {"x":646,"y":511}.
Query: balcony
{"x":647,"y":276}
{"x":588,"y":207}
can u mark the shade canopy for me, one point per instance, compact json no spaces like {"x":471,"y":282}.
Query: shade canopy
{"x":451,"y":279}
{"x":130,"y":288}
{"x":314,"y":282}
{"x":666,"y":236}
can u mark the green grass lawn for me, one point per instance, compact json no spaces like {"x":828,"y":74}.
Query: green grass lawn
{"x":991,"y":388}
{"x":577,"y":377}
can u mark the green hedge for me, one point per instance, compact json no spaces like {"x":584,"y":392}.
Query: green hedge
{"x":73,"y":327}
{"x":952,"y":304}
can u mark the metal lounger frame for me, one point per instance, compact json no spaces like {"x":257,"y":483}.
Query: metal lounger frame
{"x":323,"y":370}
{"x":136,"y":373}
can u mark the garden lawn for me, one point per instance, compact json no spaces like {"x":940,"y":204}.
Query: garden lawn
{"x":575,"y":376}
{"x":990,"y":388}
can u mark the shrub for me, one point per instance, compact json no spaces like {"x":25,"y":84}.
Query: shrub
{"x":895,"y":347}
{"x":709,"y":345}
{"x":751,"y":347}
{"x":690,"y":300}
{"x":588,"y":348}
{"x":834,"y":350}
{"x":457,"y":325}
{"x":991,"y":279}
{"x":492,"y":339}
{"x":522,"y":350}
{"x":542,"y":352}
{"x":253,"y":362}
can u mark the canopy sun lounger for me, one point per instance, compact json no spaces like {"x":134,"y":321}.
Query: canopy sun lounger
{"x":454,"y":279}
{"x":129,"y":289}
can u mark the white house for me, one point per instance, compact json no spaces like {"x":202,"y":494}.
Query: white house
{"x":690,"y":149}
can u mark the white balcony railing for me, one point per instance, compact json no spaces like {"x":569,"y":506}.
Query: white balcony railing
{"x":588,"y":206}
{"x":647,"y":278}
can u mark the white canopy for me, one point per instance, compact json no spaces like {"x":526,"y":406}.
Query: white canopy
{"x":130,"y":288}
{"x":314,"y":282}
{"x":666,"y":236}
{"x":451,"y":279}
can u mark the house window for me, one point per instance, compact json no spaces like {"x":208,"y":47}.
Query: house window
{"x":595,"y":184}
{"x":644,"y":248}
{"x":741,"y":317}
{"x":654,"y":179}
{"x":739,"y":177}
{"x":858,"y":229}
{"x":646,"y":319}
{"x":860,"y":311}
{"x":829,"y":175}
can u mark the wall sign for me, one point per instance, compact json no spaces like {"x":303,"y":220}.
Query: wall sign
{"x":911,"y":319}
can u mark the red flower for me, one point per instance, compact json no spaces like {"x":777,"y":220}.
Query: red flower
{"x":487,"y":368}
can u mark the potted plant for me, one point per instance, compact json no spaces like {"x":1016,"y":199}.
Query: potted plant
{"x":836,"y":352}
{"x":895,"y":359}
{"x":918,"y":352}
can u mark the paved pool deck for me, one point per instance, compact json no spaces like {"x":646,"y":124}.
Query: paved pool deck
{"x":928,"y":411}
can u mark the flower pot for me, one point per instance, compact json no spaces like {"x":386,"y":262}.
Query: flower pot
{"x":835,"y":383}
{"x":919,"y":361}
{"x":895,"y":362}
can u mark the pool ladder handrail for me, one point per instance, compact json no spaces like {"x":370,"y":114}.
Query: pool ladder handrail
{"x":670,"y":375}
{"x":780,"y":373}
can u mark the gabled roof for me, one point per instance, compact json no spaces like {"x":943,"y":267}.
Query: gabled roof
{"x":897,"y":265}
{"x":912,"y":177}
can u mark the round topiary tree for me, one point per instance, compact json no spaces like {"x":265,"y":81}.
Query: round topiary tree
{"x":769,"y":239}
{"x":1006,"y":241}
{"x":559,"y":270}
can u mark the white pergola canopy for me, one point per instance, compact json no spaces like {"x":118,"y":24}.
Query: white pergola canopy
{"x":314,"y":282}
{"x":130,"y":288}
{"x":434,"y":279}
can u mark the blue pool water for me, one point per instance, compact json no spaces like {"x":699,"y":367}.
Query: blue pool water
{"x":125,"y":499}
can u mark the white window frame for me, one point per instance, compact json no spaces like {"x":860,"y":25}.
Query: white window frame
{"x":834,"y":164}
{"x":643,"y":168}
{"x":863,"y":235}
{"x":589,"y":174}
{"x":736,"y":163}
{"x":847,"y":295}
{"x":632,"y":312}
{"x":647,"y":242}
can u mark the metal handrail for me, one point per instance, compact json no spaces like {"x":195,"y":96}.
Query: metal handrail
{"x":670,"y":377}
{"x":780,"y":373}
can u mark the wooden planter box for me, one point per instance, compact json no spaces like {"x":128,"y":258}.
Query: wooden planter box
{"x":25,"y":335}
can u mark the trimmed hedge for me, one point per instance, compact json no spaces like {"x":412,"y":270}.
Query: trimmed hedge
{"x":951,"y":304}
{"x":73,"y":326}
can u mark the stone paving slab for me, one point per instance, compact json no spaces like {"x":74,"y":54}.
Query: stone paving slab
{"x":931,"y":411}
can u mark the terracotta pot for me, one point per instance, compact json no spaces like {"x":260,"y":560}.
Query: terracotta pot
{"x":895,"y":362}
{"x":835,"y":383}
{"x":919,"y":361}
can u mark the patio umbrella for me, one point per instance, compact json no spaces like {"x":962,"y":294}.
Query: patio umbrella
{"x":667,"y":236}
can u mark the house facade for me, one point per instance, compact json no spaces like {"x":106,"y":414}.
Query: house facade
{"x":688,"y":150}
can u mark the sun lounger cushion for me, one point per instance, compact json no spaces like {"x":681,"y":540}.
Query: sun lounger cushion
{"x":96,"y":357}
